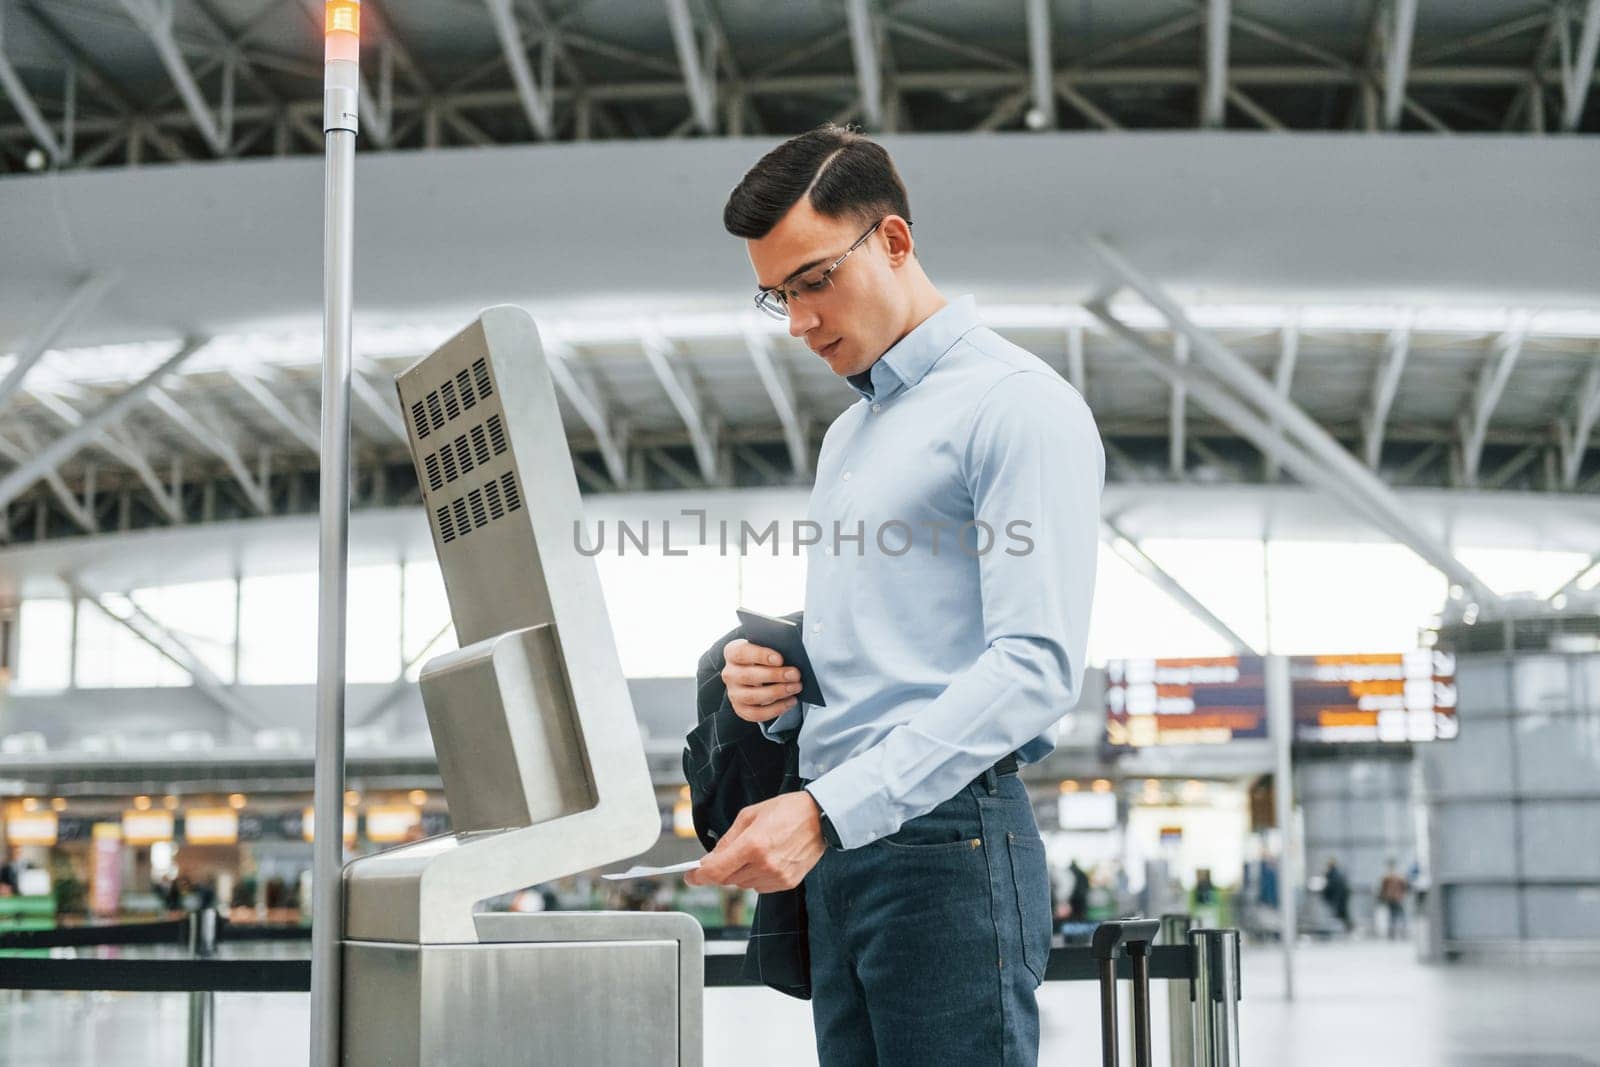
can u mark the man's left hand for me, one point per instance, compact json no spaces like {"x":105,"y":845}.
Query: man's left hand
{"x":769,"y":848}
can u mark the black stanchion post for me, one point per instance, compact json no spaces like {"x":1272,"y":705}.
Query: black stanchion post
{"x":1108,"y":1011}
{"x":1139,"y":954}
{"x":1133,"y":937}
{"x":202,"y":1003}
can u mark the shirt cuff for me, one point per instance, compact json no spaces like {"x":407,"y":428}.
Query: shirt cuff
{"x":852,"y":797}
{"x":784,"y":726}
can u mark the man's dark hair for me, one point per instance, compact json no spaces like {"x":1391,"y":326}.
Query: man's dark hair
{"x":840,"y":172}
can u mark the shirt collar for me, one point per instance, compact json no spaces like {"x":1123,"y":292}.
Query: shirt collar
{"x":914,"y":355}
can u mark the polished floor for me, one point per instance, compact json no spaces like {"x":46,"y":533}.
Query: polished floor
{"x":1364,"y":1003}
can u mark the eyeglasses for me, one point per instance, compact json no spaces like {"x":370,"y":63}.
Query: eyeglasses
{"x":775,"y":301}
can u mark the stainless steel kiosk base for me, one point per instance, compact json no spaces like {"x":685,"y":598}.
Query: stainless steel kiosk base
{"x":541,"y":759}
{"x":619,"y":989}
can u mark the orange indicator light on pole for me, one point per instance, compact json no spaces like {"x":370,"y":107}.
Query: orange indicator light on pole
{"x":342,"y":42}
{"x":344,"y":16}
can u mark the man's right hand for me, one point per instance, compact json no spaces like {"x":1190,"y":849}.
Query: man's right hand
{"x":760,"y":687}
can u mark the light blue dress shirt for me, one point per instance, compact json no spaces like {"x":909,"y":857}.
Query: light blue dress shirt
{"x":941,"y":645}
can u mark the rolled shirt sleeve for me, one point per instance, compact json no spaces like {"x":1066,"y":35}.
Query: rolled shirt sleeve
{"x":1035,"y":468}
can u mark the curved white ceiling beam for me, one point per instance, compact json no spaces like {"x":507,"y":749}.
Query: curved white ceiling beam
{"x":571,"y":230}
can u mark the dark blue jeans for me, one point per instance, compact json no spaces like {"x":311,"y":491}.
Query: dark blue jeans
{"x":927,"y":946}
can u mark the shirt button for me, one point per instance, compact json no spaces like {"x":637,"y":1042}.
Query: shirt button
{"x":877,"y":407}
{"x":816,"y":627}
{"x":847,"y":476}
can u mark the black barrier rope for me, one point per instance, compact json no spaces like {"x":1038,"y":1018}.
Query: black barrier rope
{"x":175,"y":932}
{"x":1076,"y":963}
{"x":158,"y":976}
{"x":232,"y":931}
{"x":1073,"y":963}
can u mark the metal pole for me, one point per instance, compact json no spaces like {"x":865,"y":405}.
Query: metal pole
{"x":1280,"y":712}
{"x":1041,"y":66}
{"x":1180,"y":1022}
{"x":1139,"y":954}
{"x":202,"y":1029}
{"x":1216,"y":997}
{"x":202,"y":1049}
{"x":341,"y":96}
{"x":1108,"y":1011}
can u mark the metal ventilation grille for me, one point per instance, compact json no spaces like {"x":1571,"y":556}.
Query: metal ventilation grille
{"x":508,"y":485}
{"x":464,"y":387}
{"x":478,"y":508}
{"x":473,"y":448}
{"x":452,"y":398}
{"x":466,"y":451}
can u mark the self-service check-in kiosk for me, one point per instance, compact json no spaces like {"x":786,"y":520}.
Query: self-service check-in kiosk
{"x":541,"y":760}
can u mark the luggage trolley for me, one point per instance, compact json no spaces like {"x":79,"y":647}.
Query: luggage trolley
{"x":540,"y":756}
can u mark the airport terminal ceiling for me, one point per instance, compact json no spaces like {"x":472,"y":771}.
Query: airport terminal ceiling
{"x":1427,"y":300}
{"x":464,"y":72}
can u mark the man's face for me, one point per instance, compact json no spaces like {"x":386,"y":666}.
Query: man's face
{"x":861,"y":313}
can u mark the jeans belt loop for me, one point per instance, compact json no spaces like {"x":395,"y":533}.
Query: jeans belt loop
{"x":991,"y":781}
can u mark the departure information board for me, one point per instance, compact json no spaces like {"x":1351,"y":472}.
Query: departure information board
{"x":1337,"y":699}
{"x":1206,"y":701}
{"x":1407,"y":696}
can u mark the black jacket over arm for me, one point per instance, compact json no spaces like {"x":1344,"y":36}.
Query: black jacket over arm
{"x":729,"y":764}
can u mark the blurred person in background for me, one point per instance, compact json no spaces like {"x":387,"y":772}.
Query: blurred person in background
{"x":1267,"y":891}
{"x":1336,"y":894}
{"x":1078,"y":895}
{"x":1392,"y":892}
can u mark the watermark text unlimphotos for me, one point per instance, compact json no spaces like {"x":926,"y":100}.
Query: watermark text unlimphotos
{"x":893,"y":537}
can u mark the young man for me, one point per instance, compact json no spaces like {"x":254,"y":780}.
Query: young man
{"x":946,"y":613}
